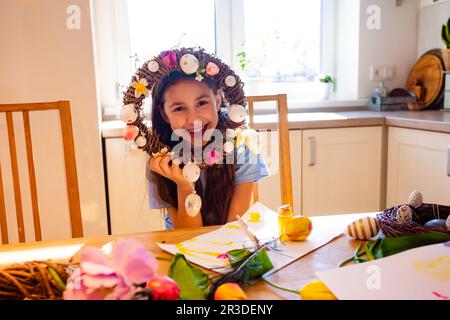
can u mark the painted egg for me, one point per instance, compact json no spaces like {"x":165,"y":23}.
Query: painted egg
{"x":193,"y":204}
{"x":189,"y":63}
{"x":439,"y":224}
{"x":212,"y":69}
{"x":228,"y":147}
{"x":128,"y":114}
{"x":404,"y":214}
{"x":153,"y":66}
{"x":298,"y":228}
{"x":415,"y":199}
{"x":140,"y":141}
{"x":191,"y":172}
{"x":237,"y":113}
{"x":230,"y":81}
{"x":363,"y":229}
{"x":130,"y":132}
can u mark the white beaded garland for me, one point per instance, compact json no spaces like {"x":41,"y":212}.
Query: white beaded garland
{"x":237,"y":113}
{"x":153,"y":66}
{"x":228,"y":147}
{"x":140,"y":141}
{"x":230,"y":81}
{"x":191,"y":172}
{"x":404,"y":214}
{"x":189,"y":63}
{"x":363,"y":229}
{"x":193,"y":204}
{"x":128,"y":113}
{"x":415,"y":199}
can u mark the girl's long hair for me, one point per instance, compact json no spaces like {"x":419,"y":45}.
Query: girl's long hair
{"x":216,"y":196}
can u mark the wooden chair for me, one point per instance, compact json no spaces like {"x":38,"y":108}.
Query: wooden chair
{"x":69,"y":158}
{"x":285,"y":153}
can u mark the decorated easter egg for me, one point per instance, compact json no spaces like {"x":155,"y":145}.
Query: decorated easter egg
{"x":140,"y":141}
{"x":237,"y":113}
{"x":191,"y":172}
{"x":130,"y":132}
{"x":153,"y":66}
{"x":439,"y":224}
{"x":298,"y":228}
{"x":193,"y":204}
{"x":189,"y":63}
{"x":415,"y":199}
{"x":230,"y":81}
{"x":212,"y":69}
{"x":404,"y":214}
{"x":363,"y":229}
{"x":228,"y":147}
{"x":128,"y":114}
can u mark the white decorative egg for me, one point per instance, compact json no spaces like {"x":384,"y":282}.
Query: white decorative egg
{"x":128,"y":114}
{"x":237,"y":113}
{"x":404,"y":214}
{"x":193,"y":204}
{"x":191,"y":172}
{"x":447,"y":223}
{"x":228,"y":147}
{"x":415,"y":199}
{"x":230,"y":81}
{"x":189,"y":63}
{"x":140,"y":141}
{"x":363,"y":229}
{"x":153,"y":66}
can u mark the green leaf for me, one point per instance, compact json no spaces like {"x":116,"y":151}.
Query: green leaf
{"x":389,"y":246}
{"x":445,"y":36}
{"x":255,"y":267}
{"x":192,"y":281}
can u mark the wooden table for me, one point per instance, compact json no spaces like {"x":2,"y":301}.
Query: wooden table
{"x":294,"y":276}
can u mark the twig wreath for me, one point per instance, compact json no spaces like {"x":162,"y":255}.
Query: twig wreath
{"x":198,"y":64}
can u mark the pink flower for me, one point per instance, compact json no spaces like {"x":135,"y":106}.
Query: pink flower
{"x":212,"y":157}
{"x":169,"y":58}
{"x":114,"y":277}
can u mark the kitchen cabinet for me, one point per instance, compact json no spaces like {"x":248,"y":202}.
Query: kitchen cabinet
{"x":341,"y":170}
{"x":127,"y":188}
{"x":418,"y":160}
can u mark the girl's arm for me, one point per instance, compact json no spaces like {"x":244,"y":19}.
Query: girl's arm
{"x":179,"y":217}
{"x":240,"y":201}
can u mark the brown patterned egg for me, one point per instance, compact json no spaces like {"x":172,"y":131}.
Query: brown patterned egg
{"x":415,"y":199}
{"x":404,"y":214}
{"x":363,"y":229}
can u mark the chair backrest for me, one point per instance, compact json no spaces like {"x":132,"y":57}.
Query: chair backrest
{"x":70,"y":166}
{"x":284,"y":152}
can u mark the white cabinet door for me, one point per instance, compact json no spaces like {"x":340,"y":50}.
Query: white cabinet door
{"x":418,"y":160}
{"x":341,"y":170}
{"x":269,"y":189}
{"x":127,"y":187}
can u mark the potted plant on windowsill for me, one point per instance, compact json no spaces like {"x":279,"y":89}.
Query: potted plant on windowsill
{"x":445,"y":35}
{"x":325,"y":86}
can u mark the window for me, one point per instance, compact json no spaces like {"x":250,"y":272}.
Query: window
{"x":276,"y":46}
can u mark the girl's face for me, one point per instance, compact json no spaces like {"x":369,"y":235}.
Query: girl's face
{"x":191,"y":105}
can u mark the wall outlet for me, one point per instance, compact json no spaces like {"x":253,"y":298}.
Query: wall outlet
{"x":378,"y":73}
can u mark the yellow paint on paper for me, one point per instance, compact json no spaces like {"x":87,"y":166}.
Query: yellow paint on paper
{"x":191,"y":252}
{"x":439,"y":267}
{"x":232,"y":226}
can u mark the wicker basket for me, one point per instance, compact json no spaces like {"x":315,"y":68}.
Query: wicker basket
{"x":426,"y":212}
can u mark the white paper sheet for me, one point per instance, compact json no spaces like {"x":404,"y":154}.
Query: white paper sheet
{"x":206,"y":250}
{"x":421,"y":273}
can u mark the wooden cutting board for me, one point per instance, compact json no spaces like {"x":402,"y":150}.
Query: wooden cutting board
{"x":426,"y":80}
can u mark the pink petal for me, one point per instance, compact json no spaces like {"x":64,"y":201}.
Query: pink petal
{"x":121,"y":292}
{"x":94,"y":255}
{"x":126,"y":250}
{"x":95,"y":269}
{"x":137,"y":271}
{"x":103,"y":281}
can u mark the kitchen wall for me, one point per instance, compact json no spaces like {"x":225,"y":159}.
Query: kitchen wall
{"x":42,"y":60}
{"x":394,"y":44}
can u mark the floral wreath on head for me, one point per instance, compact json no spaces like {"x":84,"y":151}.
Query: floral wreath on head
{"x":190,"y":61}
{"x":199,"y":64}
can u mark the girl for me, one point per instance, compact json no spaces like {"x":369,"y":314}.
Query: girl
{"x":194,"y":103}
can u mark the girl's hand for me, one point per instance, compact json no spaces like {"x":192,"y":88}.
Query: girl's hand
{"x":171,"y":171}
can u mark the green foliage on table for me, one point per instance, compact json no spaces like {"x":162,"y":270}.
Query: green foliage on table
{"x":384,"y":247}
{"x":192,"y":281}
{"x":255,"y":268}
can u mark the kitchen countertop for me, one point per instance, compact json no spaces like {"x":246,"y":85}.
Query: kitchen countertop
{"x":433,"y":120}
